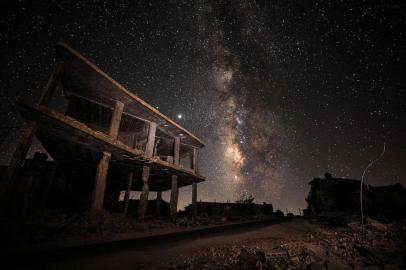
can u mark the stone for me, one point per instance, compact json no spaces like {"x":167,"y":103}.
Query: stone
{"x":377,"y":225}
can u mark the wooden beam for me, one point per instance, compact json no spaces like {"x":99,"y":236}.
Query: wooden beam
{"x":158,"y":202}
{"x":174,"y":197}
{"x":194,"y":199}
{"x":116,"y":119}
{"x":100,"y":182}
{"x":24,"y":144}
{"x":143,"y":203}
{"x":149,"y":148}
{"x":128,"y":191}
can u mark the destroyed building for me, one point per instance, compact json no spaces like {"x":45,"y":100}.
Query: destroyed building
{"x":335,"y":196}
{"x":102,"y":139}
{"x":228,"y":209}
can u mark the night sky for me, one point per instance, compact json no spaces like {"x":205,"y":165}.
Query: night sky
{"x":280,"y":91}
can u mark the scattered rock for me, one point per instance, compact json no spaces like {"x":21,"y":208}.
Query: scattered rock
{"x":377,"y":225}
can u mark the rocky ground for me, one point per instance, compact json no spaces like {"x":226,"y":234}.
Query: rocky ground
{"x":296,"y":243}
{"x":308,"y":244}
{"x":85,"y":227}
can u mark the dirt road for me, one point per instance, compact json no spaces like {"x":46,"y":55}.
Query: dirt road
{"x":292,"y":244}
{"x":158,"y":252}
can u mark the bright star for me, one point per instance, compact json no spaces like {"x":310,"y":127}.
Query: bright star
{"x":179,"y":116}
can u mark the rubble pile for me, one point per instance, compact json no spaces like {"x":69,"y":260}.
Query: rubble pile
{"x":380,"y":246}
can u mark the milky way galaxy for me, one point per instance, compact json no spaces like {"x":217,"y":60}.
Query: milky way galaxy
{"x":280,"y":92}
{"x":248,"y":132}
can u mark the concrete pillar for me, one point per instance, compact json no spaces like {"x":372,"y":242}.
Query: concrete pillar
{"x":194,"y":199}
{"x":102,"y":168}
{"x":14,"y":168}
{"x":174,"y":197}
{"x":174,"y":181}
{"x":116,"y":120}
{"x":100,"y":182}
{"x":158,"y":202}
{"x":143,"y":203}
{"x":149,"y":148}
{"x":149,"y":151}
{"x":193,"y":160}
{"x":127,"y":192}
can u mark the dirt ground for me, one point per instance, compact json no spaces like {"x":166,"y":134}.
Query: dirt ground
{"x":295,"y":244}
{"x":54,"y":231}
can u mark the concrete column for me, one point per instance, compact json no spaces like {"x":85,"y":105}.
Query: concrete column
{"x":174,"y":197}
{"x":100,"y":182}
{"x":174,"y":181}
{"x":143,"y":203}
{"x":102,"y":168}
{"x":14,"y":168}
{"x":194,"y":199}
{"x":193,"y":160}
{"x":127,"y":192}
{"x":149,"y":148}
{"x":158,"y":202}
{"x":149,"y":151}
{"x":116,"y":120}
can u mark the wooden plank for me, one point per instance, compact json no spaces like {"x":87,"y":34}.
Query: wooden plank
{"x":116,"y":119}
{"x":100,"y":182}
{"x":194,"y":199}
{"x":24,"y":144}
{"x":143,"y":203}
{"x":127,"y":192}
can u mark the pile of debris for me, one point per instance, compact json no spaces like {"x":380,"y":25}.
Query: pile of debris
{"x":381,"y":246}
{"x":332,"y":196}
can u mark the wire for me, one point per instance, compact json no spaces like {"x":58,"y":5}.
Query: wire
{"x":362,"y":183}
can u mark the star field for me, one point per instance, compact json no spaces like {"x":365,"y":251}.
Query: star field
{"x":280,"y":92}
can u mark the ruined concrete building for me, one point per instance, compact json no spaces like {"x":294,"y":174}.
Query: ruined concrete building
{"x":336,"y":196}
{"x":228,"y":209}
{"x":103,"y":140}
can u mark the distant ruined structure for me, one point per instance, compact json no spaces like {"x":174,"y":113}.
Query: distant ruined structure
{"x":104,"y":139}
{"x":228,"y":209}
{"x":331,"y":196}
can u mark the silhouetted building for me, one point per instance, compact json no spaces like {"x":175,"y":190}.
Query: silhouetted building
{"x":104,"y":138}
{"x":335,"y":196}
{"x":228,"y":209}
